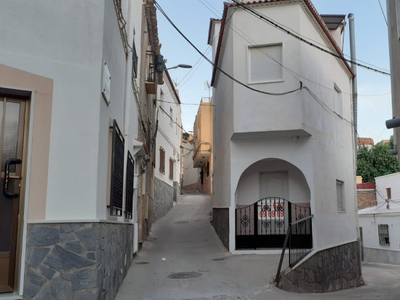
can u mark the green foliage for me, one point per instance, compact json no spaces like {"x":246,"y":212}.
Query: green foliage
{"x":376,"y":162}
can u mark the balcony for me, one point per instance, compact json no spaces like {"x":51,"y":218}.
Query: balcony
{"x":201,"y":155}
{"x":151,"y":73}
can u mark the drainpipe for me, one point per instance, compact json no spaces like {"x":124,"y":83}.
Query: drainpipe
{"x":354,"y":68}
{"x":355,"y":111}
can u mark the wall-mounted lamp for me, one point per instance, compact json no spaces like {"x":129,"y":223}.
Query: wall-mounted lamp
{"x":180,"y":66}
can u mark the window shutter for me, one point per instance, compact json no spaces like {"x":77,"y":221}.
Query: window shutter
{"x":265,"y":63}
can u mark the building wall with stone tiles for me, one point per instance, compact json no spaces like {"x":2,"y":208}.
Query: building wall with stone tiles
{"x":80,"y":261}
{"x":366,"y":198}
{"x":220,"y":222}
{"x":163,"y":198}
{"x":328,"y":270}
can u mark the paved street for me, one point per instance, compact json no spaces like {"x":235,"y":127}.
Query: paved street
{"x":184,"y":245}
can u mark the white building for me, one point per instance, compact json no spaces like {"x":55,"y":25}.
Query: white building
{"x":294,"y":150}
{"x":169,"y":138}
{"x":68,"y":72}
{"x":380,"y":224}
{"x":190,"y":175}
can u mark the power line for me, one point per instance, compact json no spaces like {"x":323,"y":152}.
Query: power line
{"x":300,"y":38}
{"x":383,"y":14}
{"x":218,"y":68}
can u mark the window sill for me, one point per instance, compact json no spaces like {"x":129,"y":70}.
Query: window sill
{"x":266,"y":82}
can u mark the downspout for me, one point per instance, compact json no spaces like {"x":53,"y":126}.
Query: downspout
{"x":354,"y":68}
{"x":353,"y":58}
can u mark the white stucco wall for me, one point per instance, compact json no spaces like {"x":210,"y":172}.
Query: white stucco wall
{"x":68,"y":42}
{"x":190,"y":175}
{"x":169,"y":135}
{"x":312,"y":133}
{"x":223,"y":126}
{"x":369,"y":224}
{"x":248,"y":190}
{"x":63,"y":42}
{"x":391,"y":181}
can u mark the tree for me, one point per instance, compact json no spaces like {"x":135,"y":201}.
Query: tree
{"x":375,"y":162}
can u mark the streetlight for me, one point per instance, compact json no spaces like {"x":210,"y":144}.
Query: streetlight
{"x":180,"y":66}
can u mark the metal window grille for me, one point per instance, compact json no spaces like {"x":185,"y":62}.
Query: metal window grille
{"x":339,"y":196}
{"x":383,"y":232}
{"x":134,"y":60}
{"x":162,"y":160}
{"x":117,"y":170}
{"x":150,"y":71}
{"x":171,"y":169}
{"x":129,"y":186}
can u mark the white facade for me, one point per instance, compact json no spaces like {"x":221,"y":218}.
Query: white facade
{"x":190,"y":175}
{"x":387,"y":212}
{"x":169,"y":135}
{"x":310,"y":139}
{"x":70,"y":42}
{"x":72,"y":53}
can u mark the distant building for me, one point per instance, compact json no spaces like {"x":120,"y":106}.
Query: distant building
{"x":203,"y":144}
{"x":366,"y":142}
{"x":380,"y":224}
{"x":190,"y":175}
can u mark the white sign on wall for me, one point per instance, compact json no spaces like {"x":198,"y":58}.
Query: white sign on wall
{"x":106,"y":84}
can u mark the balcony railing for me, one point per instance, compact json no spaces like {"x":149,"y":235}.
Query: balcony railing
{"x":151,"y":69}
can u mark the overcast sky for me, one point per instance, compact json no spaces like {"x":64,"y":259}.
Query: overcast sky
{"x":192,"y":17}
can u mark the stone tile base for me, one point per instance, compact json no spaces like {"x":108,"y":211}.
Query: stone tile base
{"x":329,"y":270}
{"x":163,"y":198}
{"x":220,"y":222}
{"x":85,"y":261}
{"x":382,"y":256}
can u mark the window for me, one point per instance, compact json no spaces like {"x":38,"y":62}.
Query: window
{"x":171,"y":169}
{"x":339,"y":196}
{"x":265,"y":63}
{"x":171,"y":115}
{"x":383,"y":232}
{"x":117,"y":170}
{"x":389,"y":193}
{"x":162,"y":160}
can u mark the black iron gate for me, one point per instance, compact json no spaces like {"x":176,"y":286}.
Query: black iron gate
{"x":264,"y":224}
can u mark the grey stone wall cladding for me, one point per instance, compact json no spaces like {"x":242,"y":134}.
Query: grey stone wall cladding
{"x":382,"y":256}
{"x":79,"y":261}
{"x":163,"y":198}
{"x":327,"y":271}
{"x":220,"y":222}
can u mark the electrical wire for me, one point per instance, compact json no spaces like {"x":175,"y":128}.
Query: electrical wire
{"x":383,"y":13}
{"x":217,"y":67}
{"x":302,"y":39}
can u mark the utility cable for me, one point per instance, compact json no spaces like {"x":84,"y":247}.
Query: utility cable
{"x":218,"y":68}
{"x":300,"y":38}
{"x":383,"y":13}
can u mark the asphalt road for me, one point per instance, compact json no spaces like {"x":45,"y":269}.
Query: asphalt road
{"x":183,"y":259}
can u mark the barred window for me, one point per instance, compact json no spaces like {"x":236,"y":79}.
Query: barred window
{"x":162,"y":160}
{"x":339,"y":196}
{"x":383,"y":232}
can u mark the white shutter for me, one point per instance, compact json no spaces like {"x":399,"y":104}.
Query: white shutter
{"x":265,"y":63}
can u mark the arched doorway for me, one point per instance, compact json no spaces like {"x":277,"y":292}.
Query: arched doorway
{"x":271,"y":195}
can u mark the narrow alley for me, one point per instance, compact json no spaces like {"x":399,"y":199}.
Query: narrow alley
{"x":183,"y":259}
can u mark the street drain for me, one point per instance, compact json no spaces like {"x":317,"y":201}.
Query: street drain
{"x":218,"y":259}
{"x":184,"y":275}
{"x":182,"y":222}
{"x":142,"y":263}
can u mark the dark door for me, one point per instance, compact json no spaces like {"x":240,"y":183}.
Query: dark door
{"x":12,"y":127}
